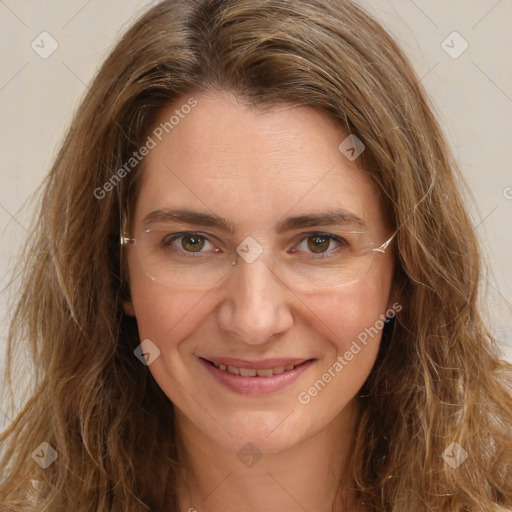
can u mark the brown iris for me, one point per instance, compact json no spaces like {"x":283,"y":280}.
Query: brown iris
{"x":192,"y":243}
{"x":318,"y":244}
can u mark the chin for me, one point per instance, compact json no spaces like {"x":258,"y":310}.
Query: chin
{"x":269,"y":431}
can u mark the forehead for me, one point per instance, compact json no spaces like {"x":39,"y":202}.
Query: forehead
{"x":246,"y":164}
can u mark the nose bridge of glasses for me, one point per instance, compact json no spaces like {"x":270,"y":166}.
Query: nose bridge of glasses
{"x":259,"y":254}
{"x":249,"y":250}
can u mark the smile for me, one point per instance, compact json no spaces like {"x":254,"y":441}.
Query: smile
{"x":252,"y":372}
{"x":266,"y":379}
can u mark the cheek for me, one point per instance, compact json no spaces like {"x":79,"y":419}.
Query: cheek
{"x":351,"y":322}
{"x":163,"y":313}
{"x":345,"y":316}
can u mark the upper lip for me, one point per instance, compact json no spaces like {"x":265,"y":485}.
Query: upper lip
{"x":256,"y":365}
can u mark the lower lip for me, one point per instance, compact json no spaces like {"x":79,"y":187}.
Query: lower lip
{"x":257,"y":385}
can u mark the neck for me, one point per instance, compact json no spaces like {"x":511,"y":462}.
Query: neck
{"x":304,"y":477}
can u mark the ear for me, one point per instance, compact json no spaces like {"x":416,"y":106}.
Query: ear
{"x":128,"y":307}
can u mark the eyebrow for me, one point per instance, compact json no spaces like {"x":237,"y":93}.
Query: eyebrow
{"x":338,"y":216}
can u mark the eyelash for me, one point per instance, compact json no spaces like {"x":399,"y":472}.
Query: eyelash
{"x":167,"y":243}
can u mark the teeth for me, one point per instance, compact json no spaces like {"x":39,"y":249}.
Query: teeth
{"x":234,"y":370}
{"x":247,"y":372}
{"x":265,"y":373}
{"x":251,"y":372}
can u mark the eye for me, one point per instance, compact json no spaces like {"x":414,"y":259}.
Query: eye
{"x":188,"y":243}
{"x":320,"y":243}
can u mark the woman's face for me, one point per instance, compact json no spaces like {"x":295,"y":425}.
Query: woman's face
{"x":256,"y":171}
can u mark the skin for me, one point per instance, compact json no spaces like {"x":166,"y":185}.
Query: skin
{"x":254,"y":169}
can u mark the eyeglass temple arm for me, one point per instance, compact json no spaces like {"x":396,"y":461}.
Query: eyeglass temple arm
{"x":124,"y":238}
{"x":385,"y":245}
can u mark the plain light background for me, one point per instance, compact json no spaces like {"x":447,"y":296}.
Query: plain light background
{"x":472,"y":94}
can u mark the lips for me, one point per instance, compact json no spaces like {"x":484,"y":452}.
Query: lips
{"x":256,"y":377}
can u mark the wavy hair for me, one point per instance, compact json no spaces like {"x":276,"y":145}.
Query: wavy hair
{"x":438,"y":378}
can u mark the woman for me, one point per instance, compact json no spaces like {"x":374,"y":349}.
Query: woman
{"x":253,"y":285}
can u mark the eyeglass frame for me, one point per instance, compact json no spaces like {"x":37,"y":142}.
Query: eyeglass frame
{"x":126,"y":240}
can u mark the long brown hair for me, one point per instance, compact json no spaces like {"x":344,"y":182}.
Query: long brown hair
{"x":438,"y":378}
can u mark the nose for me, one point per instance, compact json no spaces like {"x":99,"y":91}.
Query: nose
{"x":256,"y":305}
